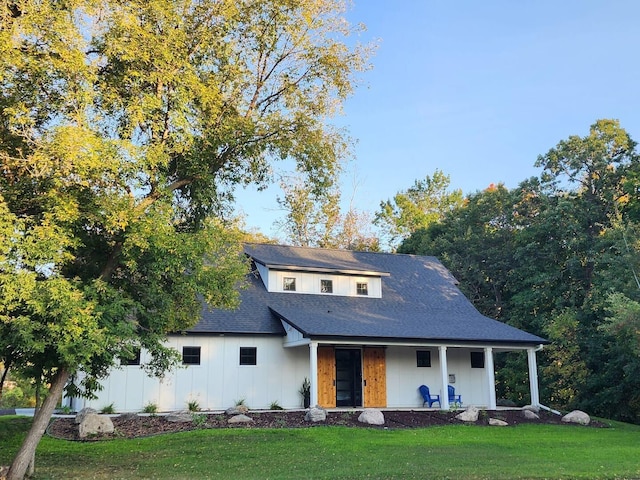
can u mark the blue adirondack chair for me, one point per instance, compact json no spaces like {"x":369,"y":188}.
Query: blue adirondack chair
{"x":427,"y":397}
{"x":453,"y":398}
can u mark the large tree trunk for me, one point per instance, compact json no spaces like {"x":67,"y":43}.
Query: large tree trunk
{"x":27,"y":451}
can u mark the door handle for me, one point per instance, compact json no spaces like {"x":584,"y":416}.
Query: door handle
{"x":365,"y":382}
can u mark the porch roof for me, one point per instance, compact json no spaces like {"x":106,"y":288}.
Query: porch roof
{"x":420,"y":302}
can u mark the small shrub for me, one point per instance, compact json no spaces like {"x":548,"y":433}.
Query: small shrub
{"x":193,"y":406}
{"x":240,"y":402}
{"x":199,"y":420}
{"x":275,"y":406}
{"x":108,"y":409}
{"x":150,"y":408}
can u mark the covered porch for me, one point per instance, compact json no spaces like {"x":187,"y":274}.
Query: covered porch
{"x":385,"y":374}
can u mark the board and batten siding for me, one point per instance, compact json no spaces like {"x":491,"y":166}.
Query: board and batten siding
{"x":217,"y":383}
{"x":309,"y":282}
{"x":404,"y":377}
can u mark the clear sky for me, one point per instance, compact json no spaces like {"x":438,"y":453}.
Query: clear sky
{"x":478,"y":89}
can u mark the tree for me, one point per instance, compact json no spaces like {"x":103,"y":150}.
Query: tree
{"x":125,"y":127}
{"x":426,"y":202}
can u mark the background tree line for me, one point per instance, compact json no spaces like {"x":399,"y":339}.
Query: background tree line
{"x":558,"y":256}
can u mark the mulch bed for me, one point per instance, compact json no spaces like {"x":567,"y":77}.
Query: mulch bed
{"x":135,"y":426}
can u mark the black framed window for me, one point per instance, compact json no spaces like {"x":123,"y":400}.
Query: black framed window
{"x":248,"y":356}
{"x":289,"y":284}
{"x":477,"y":359}
{"x":362,"y":288}
{"x":191,"y":355}
{"x":132,"y":357}
{"x":326,"y":286}
{"x":423,"y":358}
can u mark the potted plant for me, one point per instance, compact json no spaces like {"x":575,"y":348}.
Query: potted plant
{"x":305,"y":391}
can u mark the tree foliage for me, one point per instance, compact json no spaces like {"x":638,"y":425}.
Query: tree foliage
{"x":424,"y":203}
{"x":558,"y":256}
{"x":125,"y":127}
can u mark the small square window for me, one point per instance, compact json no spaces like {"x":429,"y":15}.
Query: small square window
{"x":191,"y":355}
{"x":423,"y":358}
{"x":326,"y":286}
{"x":248,"y":355}
{"x":130,"y":357}
{"x":362,"y":288}
{"x":477,"y":359}
{"x":289,"y":284}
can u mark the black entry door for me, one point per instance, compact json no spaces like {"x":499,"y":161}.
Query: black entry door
{"x":348,"y":378}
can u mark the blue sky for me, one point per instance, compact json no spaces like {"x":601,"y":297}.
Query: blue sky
{"x":478,"y":89}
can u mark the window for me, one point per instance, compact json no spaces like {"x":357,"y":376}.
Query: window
{"x":248,"y":355}
{"x":130,"y":357}
{"x":326,"y":286}
{"x":191,"y":355}
{"x":289,"y":284}
{"x":477,"y":359}
{"x":423,"y":358}
{"x":362,"y":288}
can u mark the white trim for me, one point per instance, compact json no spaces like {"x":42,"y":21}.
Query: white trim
{"x":313,"y":373}
{"x":533,"y":376}
{"x":444,"y":374}
{"x":491,"y":376}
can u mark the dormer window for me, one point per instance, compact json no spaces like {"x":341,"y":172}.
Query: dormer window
{"x":289,"y":284}
{"x":326,"y":286}
{"x":362,"y":288}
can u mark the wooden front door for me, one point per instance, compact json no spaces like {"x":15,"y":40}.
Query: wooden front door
{"x":326,"y":377}
{"x":375,"y":377}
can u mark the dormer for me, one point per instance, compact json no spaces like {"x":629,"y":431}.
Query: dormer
{"x":331,"y":273}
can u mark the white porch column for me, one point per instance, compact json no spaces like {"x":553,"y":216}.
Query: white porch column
{"x":533,"y":376}
{"x":313,"y":373}
{"x":444,"y":393}
{"x":491,"y":376}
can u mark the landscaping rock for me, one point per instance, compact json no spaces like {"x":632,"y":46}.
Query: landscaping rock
{"x":237,"y":410}
{"x":497,"y":422}
{"x":578,"y":417}
{"x":371,"y":416}
{"x":92,"y":424}
{"x":84,"y":412}
{"x":4,"y":471}
{"x":469,"y":415}
{"x":532,"y":408}
{"x":180,"y":417}
{"x":240,"y":419}
{"x":316,"y":414}
{"x":128,"y":416}
{"x":530,"y":415}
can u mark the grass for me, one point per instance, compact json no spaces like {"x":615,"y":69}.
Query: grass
{"x":460,"y":452}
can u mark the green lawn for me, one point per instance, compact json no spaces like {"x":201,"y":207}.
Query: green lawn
{"x":456,"y":452}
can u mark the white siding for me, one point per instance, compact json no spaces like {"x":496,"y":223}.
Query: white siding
{"x":217,"y":383}
{"x":404,"y":377}
{"x":306,"y":282}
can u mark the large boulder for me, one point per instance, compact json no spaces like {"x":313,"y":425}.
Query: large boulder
{"x":237,"y":410}
{"x":84,"y":412}
{"x":532,"y":408}
{"x":93,"y":424}
{"x":180,"y":417}
{"x":530,"y":415}
{"x":578,"y":417}
{"x":316,"y":414}
{"x":240,"y":419}
{"x":469,"y":415}
{"x":371,"y":416}
{"x":496,"y":422}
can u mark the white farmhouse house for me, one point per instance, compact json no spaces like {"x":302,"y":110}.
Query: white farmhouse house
{"x":367,"y":329}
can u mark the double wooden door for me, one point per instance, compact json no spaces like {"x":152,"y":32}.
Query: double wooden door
{"x":352,"y":377}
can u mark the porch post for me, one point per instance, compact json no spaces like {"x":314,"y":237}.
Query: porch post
{"x":491,"y":376}
{"x":444,"y":393}
{"x":533,"y":376}
{"x":313,"y":373}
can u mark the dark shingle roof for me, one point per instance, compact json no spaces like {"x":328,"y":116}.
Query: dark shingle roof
{"x":420,"y":301}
